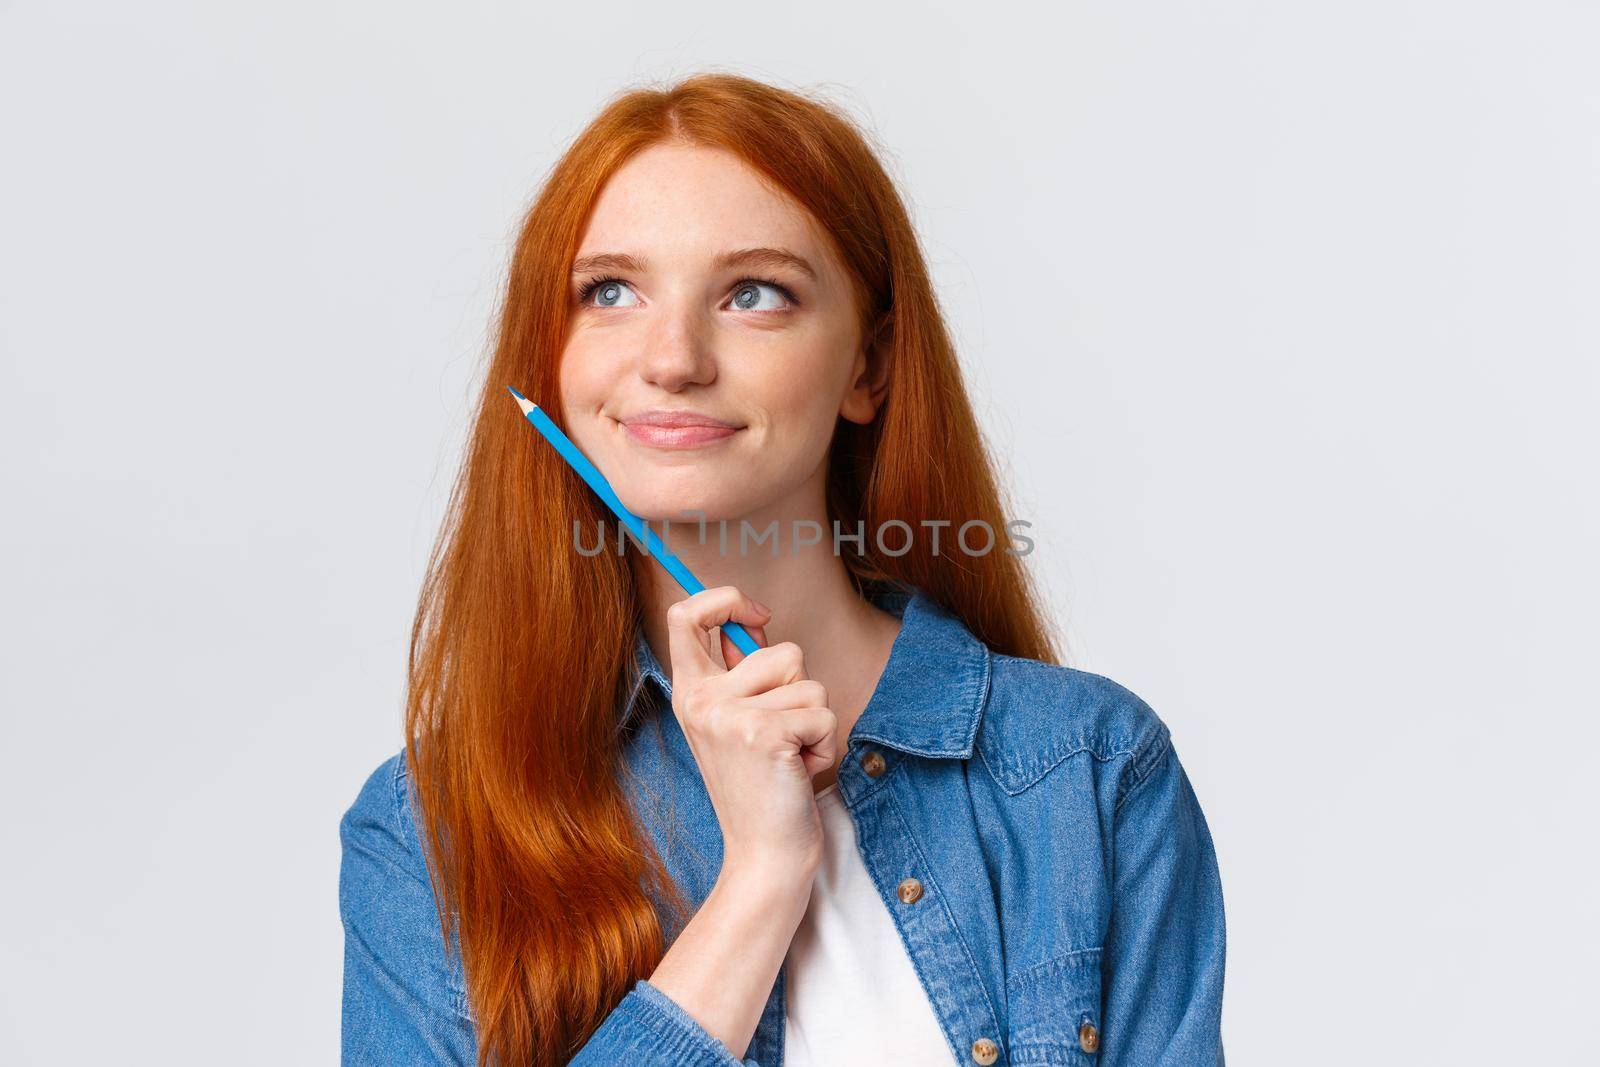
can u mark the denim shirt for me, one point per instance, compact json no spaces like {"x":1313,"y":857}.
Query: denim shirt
{"x":1071,"y":907}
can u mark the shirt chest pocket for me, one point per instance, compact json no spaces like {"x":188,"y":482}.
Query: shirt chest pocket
{"x":1054,"y":1011}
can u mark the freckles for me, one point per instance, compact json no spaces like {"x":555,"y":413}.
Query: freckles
{"x":588,"y":364}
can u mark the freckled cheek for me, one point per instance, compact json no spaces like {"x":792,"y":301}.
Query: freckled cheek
{"x":589,"y":430}
{"x":791,"y":383}
{"x":586,"y":380}
{"x":802,"y":428}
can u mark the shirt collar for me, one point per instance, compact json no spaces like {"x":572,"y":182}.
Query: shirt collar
{"x":929,"y":699}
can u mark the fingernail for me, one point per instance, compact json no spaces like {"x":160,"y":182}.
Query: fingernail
{"x":760,"y":606}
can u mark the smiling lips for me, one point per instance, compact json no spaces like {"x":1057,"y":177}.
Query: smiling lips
{"x":661,"y":428}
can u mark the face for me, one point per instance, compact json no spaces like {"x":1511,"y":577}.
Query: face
{"x":713,"y":342}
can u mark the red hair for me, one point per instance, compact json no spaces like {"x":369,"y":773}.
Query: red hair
{"x":521,"y":648}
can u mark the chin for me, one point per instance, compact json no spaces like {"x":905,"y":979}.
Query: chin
{"x":683,"y":508}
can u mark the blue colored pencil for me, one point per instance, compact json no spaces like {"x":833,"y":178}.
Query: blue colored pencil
{"x":653,"y":544}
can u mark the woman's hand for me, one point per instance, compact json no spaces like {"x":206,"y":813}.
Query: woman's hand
{"x":759,"y":731}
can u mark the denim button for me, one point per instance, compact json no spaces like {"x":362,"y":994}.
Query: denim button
{"x":985,"y":1051}
{"x":873,"y":763}
{"x":909,"y":890}
{"x":1088,"y":1038}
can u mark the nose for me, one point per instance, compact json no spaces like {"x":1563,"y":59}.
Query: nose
{"x":677,"y":352}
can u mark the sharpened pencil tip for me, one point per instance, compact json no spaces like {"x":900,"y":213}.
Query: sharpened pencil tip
{"x":522,"y":401}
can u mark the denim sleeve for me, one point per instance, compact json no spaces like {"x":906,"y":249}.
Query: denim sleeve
{"x":401,"y":1004}
{"x":1166,"y":943}
{"x":648,"y":1027}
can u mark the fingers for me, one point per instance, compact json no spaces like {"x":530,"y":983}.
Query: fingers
{"x":689,"y":625}
{"x":816,"y":731}
{"x":805,"y":693}
{"x":743,"y":726}
{"x":764,"y":669}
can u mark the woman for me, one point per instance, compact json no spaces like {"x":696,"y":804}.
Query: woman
{"x":898,"y":832}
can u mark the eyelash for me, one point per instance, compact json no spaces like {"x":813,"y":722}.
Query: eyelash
{"x":591,"y":284}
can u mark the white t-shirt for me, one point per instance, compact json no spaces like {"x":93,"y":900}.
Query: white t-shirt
{"x":853,"y":996}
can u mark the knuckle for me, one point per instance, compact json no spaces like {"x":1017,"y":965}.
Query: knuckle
{"x":685,"y":708}
{"x":759,"y":656}
{"x":721,"y":719}
{"x":702,"y":720}
{"x":698,"y":697}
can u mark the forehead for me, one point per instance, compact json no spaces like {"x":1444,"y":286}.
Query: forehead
{"x":682,"y":200}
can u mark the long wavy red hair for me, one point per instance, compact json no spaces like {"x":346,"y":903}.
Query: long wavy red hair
{"x":521,"y":649}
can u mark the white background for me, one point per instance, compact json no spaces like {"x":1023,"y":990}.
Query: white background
{"x":1281,"y":316}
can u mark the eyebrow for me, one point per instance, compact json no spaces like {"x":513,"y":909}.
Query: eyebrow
{"x":744,"y":257}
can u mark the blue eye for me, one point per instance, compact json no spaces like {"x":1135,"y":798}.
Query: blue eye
{"x":609,"y":290}
{"x":748,"y":295}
